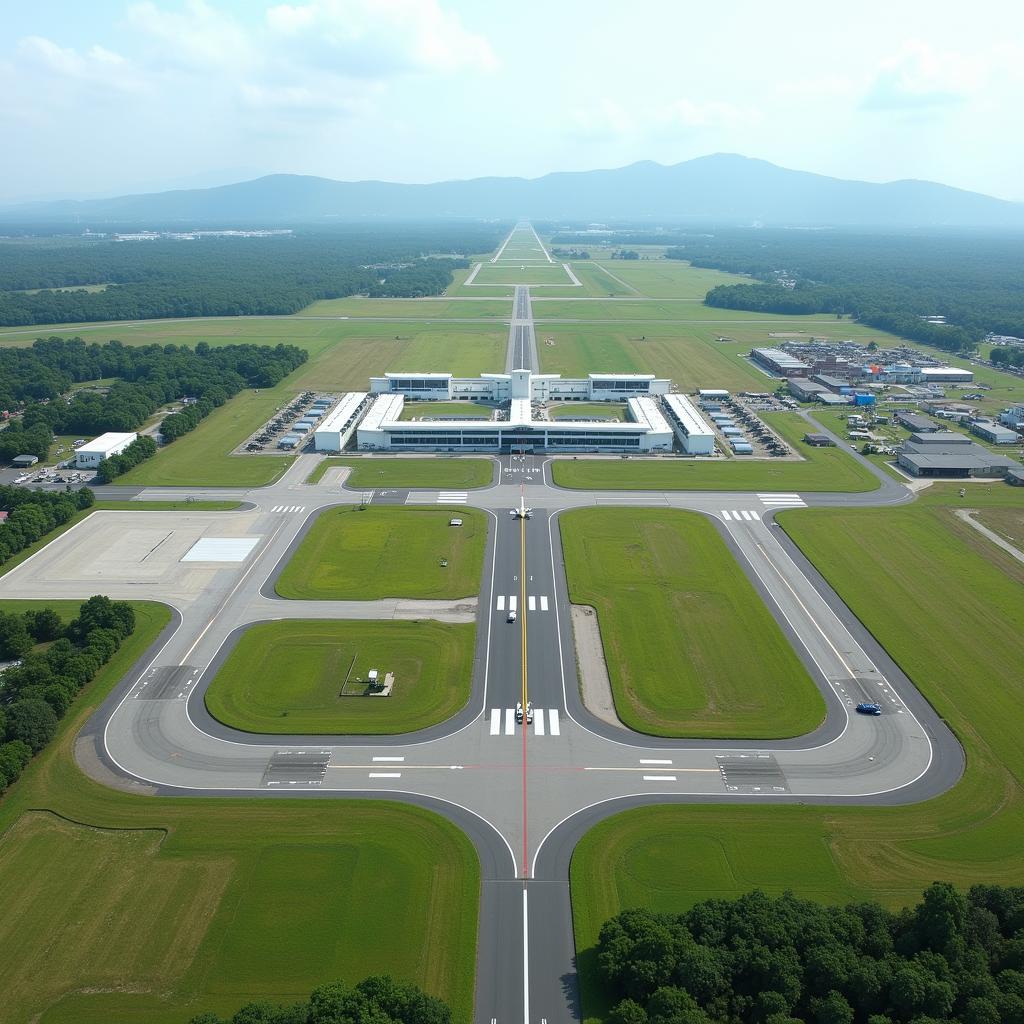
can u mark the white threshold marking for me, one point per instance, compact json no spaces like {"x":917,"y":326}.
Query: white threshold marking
{"x":746,"y":516}
{"x":754,"y":515}
{"x":501,"y":602}
{"x":385,"y":775}
{"x":389,"y":759}
{"x":510,"y":721}
{"x":532,"y":603}
{"x":653,"y":760}
{"x":538,"y":724}
{"x":543,"y":604}
{"x":512,"y":603}
{"x":726,"y":515}
{"x":553,"y":720}
{"x":659,"y":778}
{"x":495,"y":721}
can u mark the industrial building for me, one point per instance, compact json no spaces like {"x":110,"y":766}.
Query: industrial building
{"x":338,"y":426}
{"x":779,"y":363}
{"x":951,"y":455}
{"x":990,"y":431}
{"x":915,"y":423}
{"x":806,"y":390}
{"x":90,"y":455}
{"x":693,"y":431}
{"x":945,"y":375}
{"x":1013,"y":417}
{"x":498,"y":387}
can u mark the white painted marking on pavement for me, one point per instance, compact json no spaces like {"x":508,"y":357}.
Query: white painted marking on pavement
{"x":659,"y":778}
{"x":538,"y":724}
{"x":501,"y":602}
{"x":553,"y":718}
{"x":532,"y":601}
{"x":654,"y":760}
{"x":495,"y":721}
{"x":543,"y":604}
{"x":510,"y":721}
{"x":389,"y":759}
{"x":385,"y":775}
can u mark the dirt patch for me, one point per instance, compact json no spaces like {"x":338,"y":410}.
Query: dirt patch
{"x":595,"y":686}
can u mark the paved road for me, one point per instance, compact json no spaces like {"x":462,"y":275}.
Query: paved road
{"x":524,"y":793}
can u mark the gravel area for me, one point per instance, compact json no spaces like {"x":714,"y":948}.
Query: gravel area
{"x":595,"y":686}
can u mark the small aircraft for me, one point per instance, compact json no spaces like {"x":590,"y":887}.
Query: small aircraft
{"x":522,"y":512}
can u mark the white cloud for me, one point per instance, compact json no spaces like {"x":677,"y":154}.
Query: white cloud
{"x":196,"y":37}
{"x":608,"y":119}
{"x":920,"y":77}
{"x":97,"y":68}
{"x":379,"y":38}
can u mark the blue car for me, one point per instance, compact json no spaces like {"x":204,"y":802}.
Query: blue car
{"x":869,"y":709}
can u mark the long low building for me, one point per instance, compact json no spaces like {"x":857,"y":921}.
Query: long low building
{"x":694,"y":432}
{"x":383,"y":429}
{"x":339,"y":424}
{"x":779,"y":363}
{"x":90,"y":455}
{"x":951,"y":455}
{"x":497,"y":387}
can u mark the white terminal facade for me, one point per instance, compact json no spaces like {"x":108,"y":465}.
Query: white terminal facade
{"x":655,"y":415}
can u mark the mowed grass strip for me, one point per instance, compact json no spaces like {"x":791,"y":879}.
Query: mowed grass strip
{"x":949,"y":607}
{"x":288,"y":676}
{"x":823,"y":469}
{"x":691,"y":648}
{"x":442,"y":473}
{"x":163,"y":909}
{"x":387,"y":551}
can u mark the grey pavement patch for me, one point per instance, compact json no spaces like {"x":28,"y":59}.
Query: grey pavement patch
{"x":967,"y":515}
{"x":389,"y":496}
{"x":168,"y":682}
{"x":752,"y":773}
{"x":296,"y":768}
{"x":595,"y":686}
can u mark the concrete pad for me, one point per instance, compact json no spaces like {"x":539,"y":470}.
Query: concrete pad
{"x":220,"y":549}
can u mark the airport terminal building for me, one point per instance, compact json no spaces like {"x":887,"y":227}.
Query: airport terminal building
{"x":519,"y":420}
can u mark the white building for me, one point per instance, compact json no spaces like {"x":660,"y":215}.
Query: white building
{"x":945,"y":375}
{"x":694,"y":432}
{"x":383,"y":429}
{"x":497,"y":387}
{"x":90,"y":455}
{"x":338,"y":425}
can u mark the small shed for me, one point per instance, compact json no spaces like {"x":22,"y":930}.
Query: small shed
{"x":819,"y":440}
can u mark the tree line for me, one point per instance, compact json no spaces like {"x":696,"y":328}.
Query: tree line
{"x":32,"y":514}
{"x":113,"y":466}
{"x":147,"y":377}
{"x":954,"y":958}
{"x":35,"y":694}
{"x":377,"y":1000}
{"x":226,"y":276}
{"x":1008,"y":355}
{"x":975,"y":281}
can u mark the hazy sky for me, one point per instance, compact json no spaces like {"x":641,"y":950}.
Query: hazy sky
{"x":109,"y":96}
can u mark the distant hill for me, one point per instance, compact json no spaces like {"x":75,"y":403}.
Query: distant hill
{"x":722,"y":188}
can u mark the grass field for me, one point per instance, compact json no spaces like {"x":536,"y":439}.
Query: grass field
{"x":542,"y":274}
{"x":433,"y":410}
{"x":387,"y":551}
{"x":671,"y":601}
{"x":825,"y":469}
{"x":369,"y":473}
{"x":1007,"y":522}
{"x":601,"y":410}
{"x":670,"y":279}
{"x":287,"y":677}
{"x":425,"y":309}
{"x":961,"y":643}
{"x":163,"y":909}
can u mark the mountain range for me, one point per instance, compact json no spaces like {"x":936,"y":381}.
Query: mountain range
{"x":723,"y":188}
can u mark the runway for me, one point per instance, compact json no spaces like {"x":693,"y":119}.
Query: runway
{"x":524,"y":793}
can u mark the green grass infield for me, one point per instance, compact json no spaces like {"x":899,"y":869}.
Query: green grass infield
{"x":671,"y":601}
{"x":303,"y":676}
{"x":824,"y":469}
{"x":164,"y":909}
{"x":961,"y":639}
{"x":369,"y":473}
{"x":388,"y":551}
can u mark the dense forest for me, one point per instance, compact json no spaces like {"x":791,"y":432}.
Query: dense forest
{"x":955,"y":958}
{"x":379,"y":1000}
{"x":33,"y":514}
{"x":35,"y":694}
{"x":227,"y":276}
{"x":886,"y":281}
{"x":146,"y":377}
